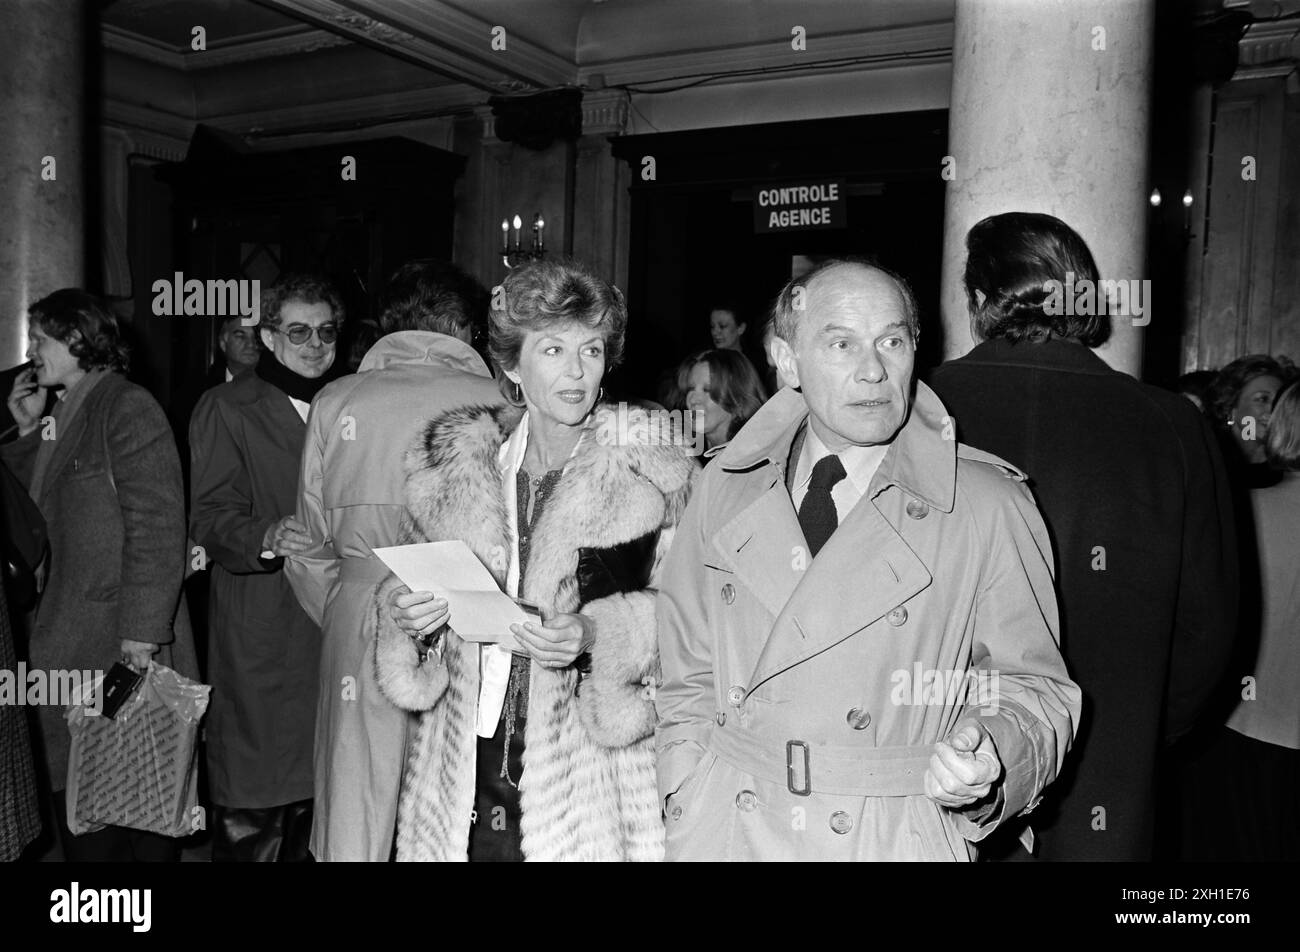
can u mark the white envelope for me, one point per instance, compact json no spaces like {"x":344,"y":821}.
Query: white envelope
{"x":479,"y":610}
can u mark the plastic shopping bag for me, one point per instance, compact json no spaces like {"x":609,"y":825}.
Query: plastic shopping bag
{"x":140,"y":769}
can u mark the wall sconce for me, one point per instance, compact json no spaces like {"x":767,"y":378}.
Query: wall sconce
{"x":513,"y":255}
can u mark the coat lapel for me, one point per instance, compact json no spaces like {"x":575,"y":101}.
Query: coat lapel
{"x":753,"y":542}
{"x":864,"y":571}
{"x":69,"y":436}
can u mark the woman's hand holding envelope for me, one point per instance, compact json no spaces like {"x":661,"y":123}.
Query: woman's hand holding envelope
{"x":418,"y":613}
{"x":559,"y":642}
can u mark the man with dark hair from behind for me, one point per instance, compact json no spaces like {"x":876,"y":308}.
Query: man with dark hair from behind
{"x":350,"y":498}
{"x":1132,"y":487}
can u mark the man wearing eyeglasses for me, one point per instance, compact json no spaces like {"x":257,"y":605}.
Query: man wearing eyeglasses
{"x":351,"y":498}
{"x":246,"y":439}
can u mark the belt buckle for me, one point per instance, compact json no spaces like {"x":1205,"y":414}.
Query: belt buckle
{"x":806,"y":788}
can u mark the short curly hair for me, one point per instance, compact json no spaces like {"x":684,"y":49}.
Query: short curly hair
{"x":1223,"y":393}
{"x":431,"y":295}
{"x":83,"y":322}
{"x":304,"y":288}
{"x":546,"y":293}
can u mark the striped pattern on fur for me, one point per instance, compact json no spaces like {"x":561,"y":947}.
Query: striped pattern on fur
{"x":588,"y":790}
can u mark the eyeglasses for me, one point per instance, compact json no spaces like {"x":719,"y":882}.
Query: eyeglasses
{"x":301,"y":333}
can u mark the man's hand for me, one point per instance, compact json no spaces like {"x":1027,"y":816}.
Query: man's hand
{"x":964,"y":768}
{"x":26,"y":401}
{"x":557,"y":643}
{"x":138,"y":653}
{"x":286,"y":537}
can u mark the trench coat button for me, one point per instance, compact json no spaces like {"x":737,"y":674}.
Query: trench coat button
{"x":897,"y":617}
{"x":917,"y":509}
{"x":747,"y":800}
{"x":728,"y":593}
{"x":841,"y":822}
{"x":677,"y":813}
{"x":859,"y":719}
{"x":735,"y":695}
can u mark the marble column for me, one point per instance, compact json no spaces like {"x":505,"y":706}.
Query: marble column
{"x":1050,"y":113}
{"x":42,"y":238}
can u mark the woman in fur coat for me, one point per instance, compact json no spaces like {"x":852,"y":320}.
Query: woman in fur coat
{"x":542,"y":750}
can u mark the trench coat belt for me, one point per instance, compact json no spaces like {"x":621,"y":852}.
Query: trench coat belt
{"x":363,"y":569}
{"x":826,"y":768}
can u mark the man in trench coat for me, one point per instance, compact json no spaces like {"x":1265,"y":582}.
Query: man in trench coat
{"x":350,"y":499}
{"x":897,"y":694}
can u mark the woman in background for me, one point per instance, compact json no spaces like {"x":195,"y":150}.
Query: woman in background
{"x":1240,"y":403}
{"x":721,"y":389}
{"x":1258,"y":752}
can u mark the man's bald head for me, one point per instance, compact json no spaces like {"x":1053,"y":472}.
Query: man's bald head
{"x":792,"y":303}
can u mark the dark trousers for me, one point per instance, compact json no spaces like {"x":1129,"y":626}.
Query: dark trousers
{"x":112,"y":844}
{"x":261,"y":834}
{"x":1240,"y":801}
{"x":494,"y":834}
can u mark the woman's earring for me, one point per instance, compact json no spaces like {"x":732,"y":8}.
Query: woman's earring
{"x":519,"y":394}
{"x":600,"y":394}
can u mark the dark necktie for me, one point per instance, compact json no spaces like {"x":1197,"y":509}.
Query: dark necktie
{"x":817,"y":515}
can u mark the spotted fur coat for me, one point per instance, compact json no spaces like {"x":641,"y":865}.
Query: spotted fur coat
{"x":588,"y":790}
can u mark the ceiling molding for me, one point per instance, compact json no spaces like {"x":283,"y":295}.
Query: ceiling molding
{"x":288,"y":41}
{"x":1272,"y":46}
{"x":604,"y":112}
{"x":148,"y":121}
{"x":924,"y":43}
{"x":439,"y":37}
{"x":364,"y":111}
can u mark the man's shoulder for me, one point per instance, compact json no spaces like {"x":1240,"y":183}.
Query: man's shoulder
{"x":978,"y":464}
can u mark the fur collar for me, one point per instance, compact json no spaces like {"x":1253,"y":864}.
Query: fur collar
{"x":630,"y":476}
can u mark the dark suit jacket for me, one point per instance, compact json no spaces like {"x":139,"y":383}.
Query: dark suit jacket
{"x":1132,"y":486}
{"x":263,"y":650}
{"x":115,"y":511}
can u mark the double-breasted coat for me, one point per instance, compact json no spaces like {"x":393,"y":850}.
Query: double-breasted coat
{"x":802,"y":697}
{"x":350,"y":496}
{"x":115,"y":511}
{"x":263,"y":650}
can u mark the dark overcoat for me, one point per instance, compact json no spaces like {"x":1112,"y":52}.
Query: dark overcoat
{"x":1132,"y":487}
{"x":264,"y":651}
{"x":115,"y":509}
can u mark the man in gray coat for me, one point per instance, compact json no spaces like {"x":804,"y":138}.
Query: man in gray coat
{"x":350,"y":501}
{"x":857,"y":628}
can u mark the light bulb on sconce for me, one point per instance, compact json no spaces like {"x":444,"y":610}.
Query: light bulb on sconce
{"x":1187,"y":198}
{"x":512,"y":255}
{"x":1155,"y":198}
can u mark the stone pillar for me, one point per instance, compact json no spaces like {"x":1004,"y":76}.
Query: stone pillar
{"x":42,"y":235}
{"x":1050,"y":113}
{"x":601,"y":202}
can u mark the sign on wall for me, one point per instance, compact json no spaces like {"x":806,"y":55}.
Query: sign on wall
{"x":800,"y":206}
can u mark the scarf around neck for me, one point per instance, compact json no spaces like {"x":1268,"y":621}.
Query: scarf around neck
{"x":289,"y":382}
